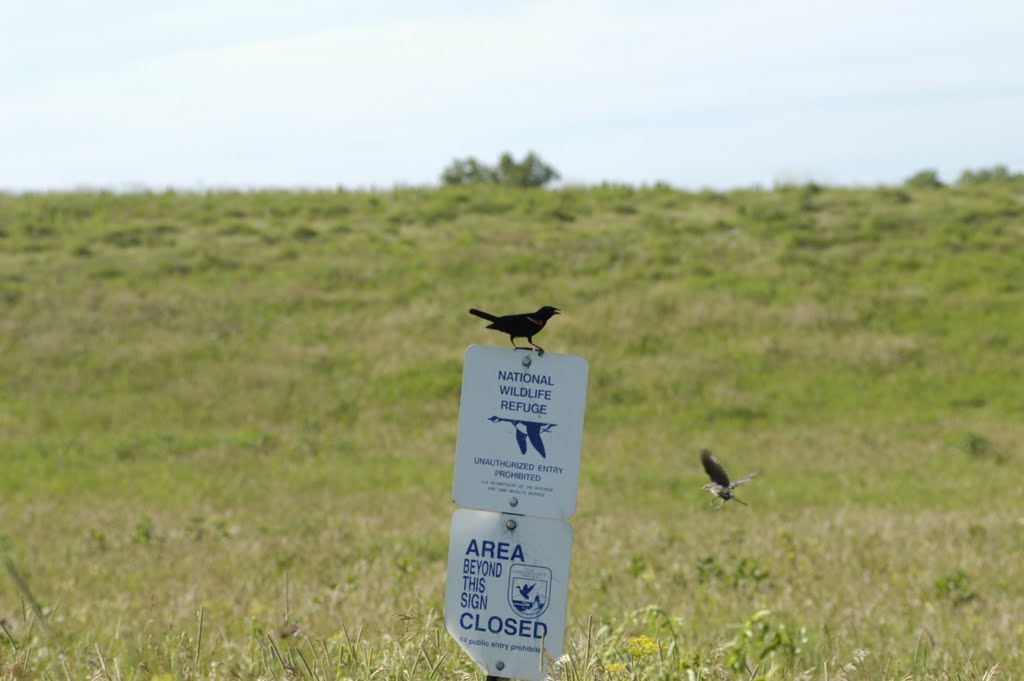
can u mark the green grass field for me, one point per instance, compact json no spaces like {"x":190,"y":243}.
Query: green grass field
{"x":227,"y":428}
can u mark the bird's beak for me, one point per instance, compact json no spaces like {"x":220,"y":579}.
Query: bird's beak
{"x":557,"y":311}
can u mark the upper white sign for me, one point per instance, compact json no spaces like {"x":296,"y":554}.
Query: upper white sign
{"x":520,"y":432}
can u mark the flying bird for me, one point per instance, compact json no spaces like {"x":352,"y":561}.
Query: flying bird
{"x":520,"y":325}
{"x":528,"y":431}
{"x":720,"y":485}
{"x":525,"y":590}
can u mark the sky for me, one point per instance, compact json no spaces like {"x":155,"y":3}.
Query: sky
{"x":210,"y":94}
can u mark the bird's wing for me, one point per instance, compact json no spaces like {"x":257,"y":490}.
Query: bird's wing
{"x":743,"y":480}
{"x":713,"y":468}
{"x":483,"y":315}
{"x":521,"y":439}
{"x":538,"y":444}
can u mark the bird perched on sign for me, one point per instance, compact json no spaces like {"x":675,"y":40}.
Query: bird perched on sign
{"x":720,"y":485}
{"x":520,"y":325}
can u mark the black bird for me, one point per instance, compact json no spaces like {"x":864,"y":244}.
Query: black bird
{"x":520,"y":325}
{"x":719,"y":485}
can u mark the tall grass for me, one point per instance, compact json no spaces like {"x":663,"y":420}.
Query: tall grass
{"x":227,"y":427}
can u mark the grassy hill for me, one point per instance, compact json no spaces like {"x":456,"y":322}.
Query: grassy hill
{"x":239,"y":410}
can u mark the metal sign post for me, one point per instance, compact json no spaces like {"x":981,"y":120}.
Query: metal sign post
{"x":516,"y":469}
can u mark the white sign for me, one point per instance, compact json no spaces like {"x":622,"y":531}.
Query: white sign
{"x":507,"y":591}
{"x":520,"y":432}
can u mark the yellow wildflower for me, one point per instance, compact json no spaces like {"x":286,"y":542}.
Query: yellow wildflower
{"x":642,"y":646}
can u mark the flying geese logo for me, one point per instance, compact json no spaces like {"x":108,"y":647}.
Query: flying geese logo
{"x":527,"y":431}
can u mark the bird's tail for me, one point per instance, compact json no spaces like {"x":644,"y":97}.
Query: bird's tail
{"x":483,"y":315}
{"x":739,"y":500}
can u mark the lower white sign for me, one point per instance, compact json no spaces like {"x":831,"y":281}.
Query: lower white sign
{"x":507,"y":591}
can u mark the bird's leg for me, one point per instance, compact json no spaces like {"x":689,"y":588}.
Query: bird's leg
{"x":517,"y":347}
{"x":540,"y":350}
